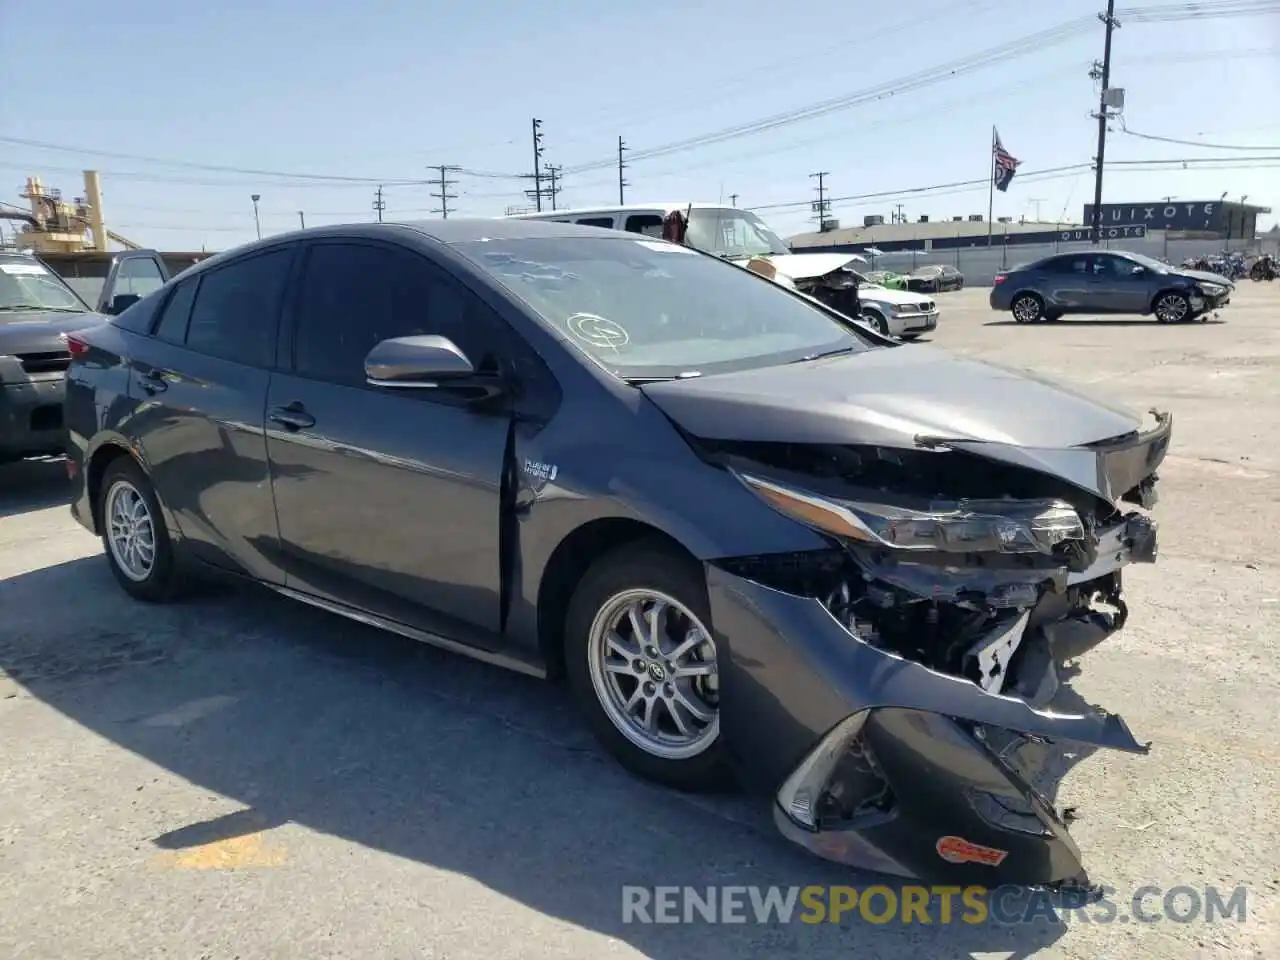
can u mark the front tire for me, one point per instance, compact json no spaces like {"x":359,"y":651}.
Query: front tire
{"x":640,"y":657}
{"x":1172,"y":307}
{"x":877,"y":320}
{"x":134,"y":535}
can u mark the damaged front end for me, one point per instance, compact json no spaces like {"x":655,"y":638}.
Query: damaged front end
{"x":837,"y":289}
{"x":895,"y":691}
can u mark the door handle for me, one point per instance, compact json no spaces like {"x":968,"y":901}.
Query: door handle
{"x":152,"y":382}
{"x":292,"y":416}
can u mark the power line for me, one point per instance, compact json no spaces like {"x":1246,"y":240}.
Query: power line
{"x":444,"y":196}
{"x":211,"y":167}
{"x":1022,"y":46}
{"x":1189,"y":143}
{"x":1048,"y":173}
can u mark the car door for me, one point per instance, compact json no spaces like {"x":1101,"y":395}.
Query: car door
{"x":1066,"y":282}
{"x":199,"y":381}
{"x":1116,"y":287}
{"x":388,"y":499}
{"x":132,"y":276}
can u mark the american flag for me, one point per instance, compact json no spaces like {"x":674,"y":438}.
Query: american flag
{"x":1005,"y":164}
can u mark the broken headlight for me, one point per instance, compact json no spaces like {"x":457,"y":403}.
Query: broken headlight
{"x":962,"y":526}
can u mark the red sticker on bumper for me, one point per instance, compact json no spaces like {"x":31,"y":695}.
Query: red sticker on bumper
{"x":960,"y":850}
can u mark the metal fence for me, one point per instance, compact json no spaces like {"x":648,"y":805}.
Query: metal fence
{"x":980,"y":264}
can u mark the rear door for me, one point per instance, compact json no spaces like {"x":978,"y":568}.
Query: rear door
{"x":200,"y":383}
{"x":388,"y":500}
{"x":1066,"y":281}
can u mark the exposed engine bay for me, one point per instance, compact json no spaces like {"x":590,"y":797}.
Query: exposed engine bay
{"x":837,"y":289}
{"x":974,"y":568}
{"x":934,"y":567}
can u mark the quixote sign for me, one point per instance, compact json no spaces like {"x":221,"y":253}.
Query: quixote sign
{"x":1128,"y":230}
{"x":1174,"y":215}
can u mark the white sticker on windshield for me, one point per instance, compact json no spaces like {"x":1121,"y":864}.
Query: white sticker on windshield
{"x":662,"y":246}
{"x":23,"y":269}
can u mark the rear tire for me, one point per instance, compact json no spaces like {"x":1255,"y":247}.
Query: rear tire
{"x":1027,"y":308}
{"x":632,"y":641}
{"x":134,"y":535}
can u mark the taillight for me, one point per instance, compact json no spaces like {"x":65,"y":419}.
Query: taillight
{"x":75,"y":346}
{"x":1000,"y":278}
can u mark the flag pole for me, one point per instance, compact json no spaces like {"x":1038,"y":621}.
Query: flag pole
{"x":991,"y":183}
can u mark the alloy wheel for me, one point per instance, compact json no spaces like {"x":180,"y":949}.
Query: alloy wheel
{"x":1026,"y":309}
{"x":131,"y":533}
{"x":1171,"y":308}
{"x":653,"y":668}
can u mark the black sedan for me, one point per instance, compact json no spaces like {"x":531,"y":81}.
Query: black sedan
{"x":762,"y":542}
{"x":1108,"y":282}
{"x":935,"y":279}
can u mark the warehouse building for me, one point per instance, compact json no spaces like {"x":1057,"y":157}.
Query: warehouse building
{"x":1179,"y":219}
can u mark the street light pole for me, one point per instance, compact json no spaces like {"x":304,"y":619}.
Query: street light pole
{"x":257,"y":224}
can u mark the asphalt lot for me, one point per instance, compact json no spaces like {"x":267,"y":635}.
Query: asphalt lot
{"x":240,"y":776}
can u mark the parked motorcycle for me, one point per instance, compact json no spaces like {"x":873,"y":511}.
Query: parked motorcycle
{"x":1264,"y":268}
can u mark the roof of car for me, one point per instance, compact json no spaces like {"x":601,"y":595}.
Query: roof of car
{"x":457,"y":230}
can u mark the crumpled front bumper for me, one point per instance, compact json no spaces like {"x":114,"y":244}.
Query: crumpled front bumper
{"x":799,"y":692}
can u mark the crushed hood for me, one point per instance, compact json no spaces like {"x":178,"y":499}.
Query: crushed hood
{"x":891,"y":396}
{"x":1203,"y":276}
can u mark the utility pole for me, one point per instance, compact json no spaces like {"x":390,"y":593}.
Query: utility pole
{"x":733,"y":198}
{"x":257,"y":224}
{"x":897,"y":216}
{"x":553,"y":173}
{"x":1102,"y":72}
{"x":822,"y":205}
{"x":1037,"y":201}
{"x":622,"y":147}
{"x":537,"y":164}
{"x":302,"y":220}
{"x":378,"y":203}
{"x":444,"y":183}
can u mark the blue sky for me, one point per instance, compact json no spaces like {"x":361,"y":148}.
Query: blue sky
{"x":383,"y":88}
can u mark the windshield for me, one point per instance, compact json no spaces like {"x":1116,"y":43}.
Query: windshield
{"x":648,"y":309}
{"x":1155,"y":266}
{"x":32,"y":286}
{"x":729,"y":232}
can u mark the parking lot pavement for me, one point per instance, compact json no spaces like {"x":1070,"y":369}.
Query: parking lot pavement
{"x":241,"y":776}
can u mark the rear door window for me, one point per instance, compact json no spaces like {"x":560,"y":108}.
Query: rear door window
{"x":649,"y":224}
{"x":237,"y":308}
{"x":177,"y":312}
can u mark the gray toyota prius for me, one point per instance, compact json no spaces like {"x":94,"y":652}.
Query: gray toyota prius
{"x":766,"y":547}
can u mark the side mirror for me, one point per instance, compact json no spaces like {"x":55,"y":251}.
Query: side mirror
{"x":416,"y":362}
{"x":1138,"y":269}
{"x":120,"y":304}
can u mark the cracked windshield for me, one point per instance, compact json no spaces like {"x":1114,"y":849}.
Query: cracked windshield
{"x":647,"y":309}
